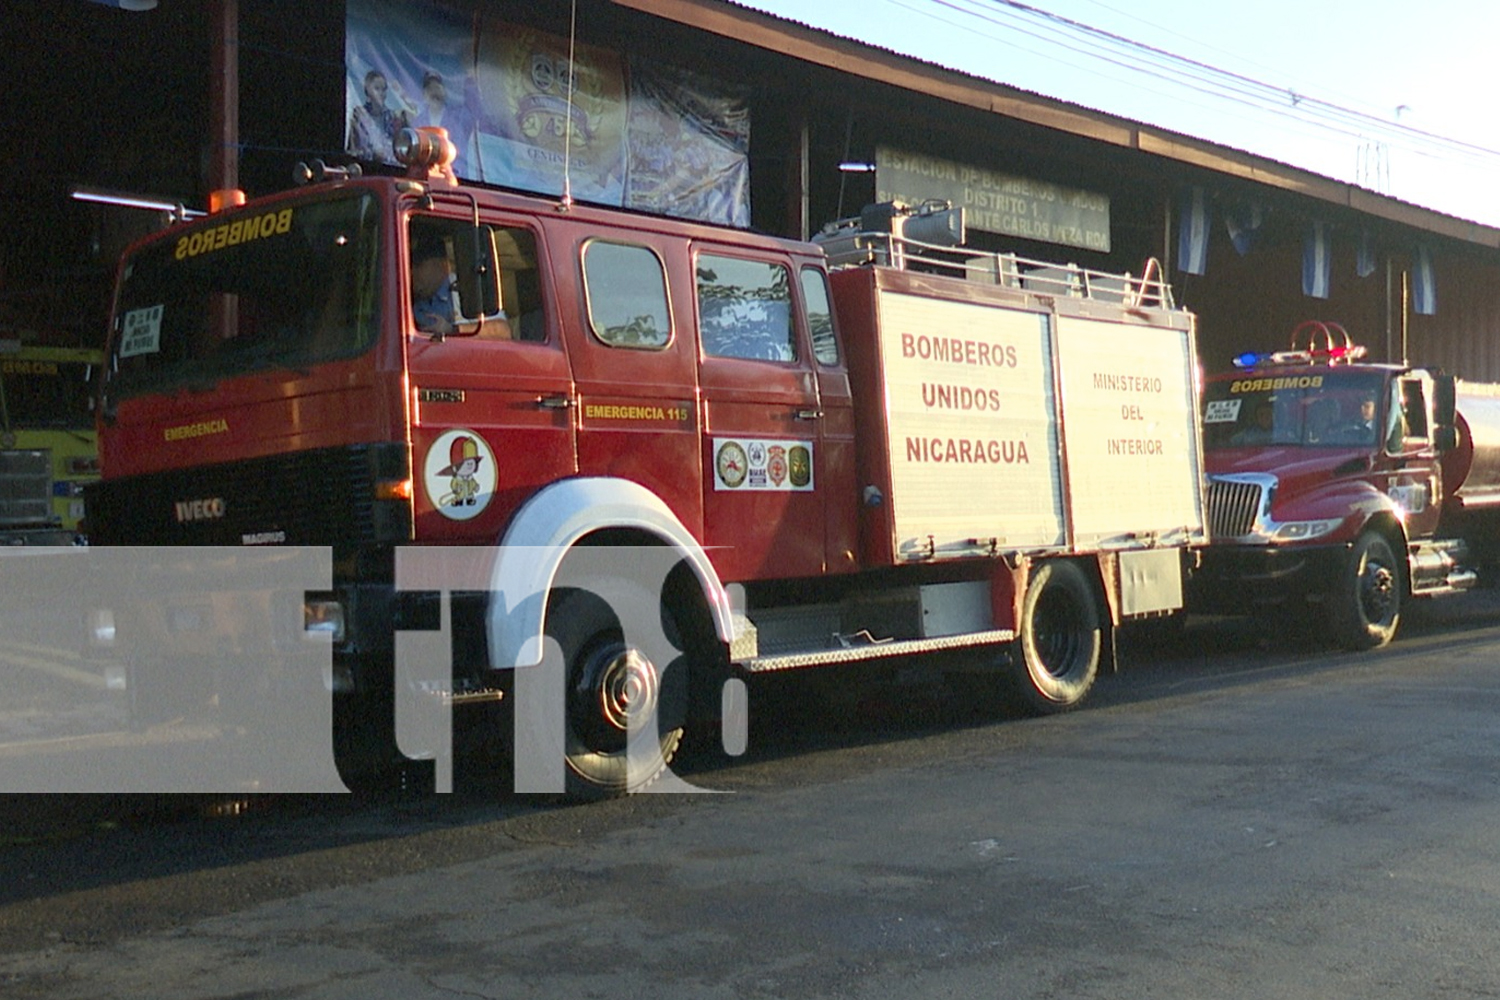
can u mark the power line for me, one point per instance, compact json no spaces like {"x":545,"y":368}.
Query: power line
{"x":1092,"y":55}
{"x":1286,"y":106}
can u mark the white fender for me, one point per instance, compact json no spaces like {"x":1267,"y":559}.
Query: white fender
{"x":541,"y":533}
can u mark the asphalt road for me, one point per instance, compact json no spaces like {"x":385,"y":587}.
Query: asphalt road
{"x":1233,"y":816}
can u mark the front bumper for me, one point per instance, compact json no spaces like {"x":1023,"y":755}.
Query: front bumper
{"x":1237,"y":579}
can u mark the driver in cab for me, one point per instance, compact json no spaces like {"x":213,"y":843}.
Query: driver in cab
{"x":434,"y":294}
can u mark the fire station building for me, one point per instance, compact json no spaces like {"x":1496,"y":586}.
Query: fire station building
{"x":695,"y":107}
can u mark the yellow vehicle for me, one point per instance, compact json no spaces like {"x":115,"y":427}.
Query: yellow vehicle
{"x":48,"y":449}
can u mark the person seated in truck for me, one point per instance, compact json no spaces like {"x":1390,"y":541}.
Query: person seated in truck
{"x":434,"y":305}
{"x":432,"y":287}
{"x":1362,"y":429}
{"x":1260,"y":429}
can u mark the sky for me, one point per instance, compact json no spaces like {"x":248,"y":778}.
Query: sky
{"x":1399,"y":98}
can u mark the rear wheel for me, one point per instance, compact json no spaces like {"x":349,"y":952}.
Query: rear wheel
{"x":1057,"y":652}
{"x":1366,"y":601}
{"x":623,"y":713}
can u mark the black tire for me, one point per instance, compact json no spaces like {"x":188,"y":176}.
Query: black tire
{"x":612,"y":682}
{"x":1056,"y":657}
{"x":1365,"y":604}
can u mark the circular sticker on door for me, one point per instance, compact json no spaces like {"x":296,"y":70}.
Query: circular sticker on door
{"x":731,"y":464}
{"x":460,"y":474}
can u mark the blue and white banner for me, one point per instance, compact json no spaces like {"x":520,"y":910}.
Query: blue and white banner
{"x":1244,"y":226}
{"x":1423,"y":284}
{"x":1192,"y":233}
{"x":1317,"y":257}
{"x":1364,"y":257}
{"x":526,"y":109}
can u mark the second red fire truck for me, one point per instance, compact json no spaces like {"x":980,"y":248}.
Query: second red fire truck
{"x":919,"y":449}
{"x":1339,"y":488}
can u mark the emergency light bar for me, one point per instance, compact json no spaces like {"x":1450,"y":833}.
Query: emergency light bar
{"x":1332,"y":354}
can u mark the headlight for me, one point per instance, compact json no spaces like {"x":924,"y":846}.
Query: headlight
{"x":1301,"y":531}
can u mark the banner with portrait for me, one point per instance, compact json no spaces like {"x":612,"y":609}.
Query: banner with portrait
{"x":523,"y":115}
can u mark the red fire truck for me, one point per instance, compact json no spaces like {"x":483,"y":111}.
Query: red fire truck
{"x":1338,"y":488}
{"x":919,"y":449}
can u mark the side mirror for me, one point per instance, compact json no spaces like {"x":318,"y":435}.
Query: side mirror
{"x":1444,"y":400}
{"x":477,"y":288}
{"x":1444,"y":412}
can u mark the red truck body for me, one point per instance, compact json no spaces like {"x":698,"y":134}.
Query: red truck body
{"x":620,"y":380}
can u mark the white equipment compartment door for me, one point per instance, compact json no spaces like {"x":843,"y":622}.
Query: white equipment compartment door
{"x":971,"y":419}
{"x":1130,"y":433}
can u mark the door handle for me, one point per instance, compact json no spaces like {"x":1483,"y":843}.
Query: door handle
{"x":554,"y":402}
{"x":808,"y":414}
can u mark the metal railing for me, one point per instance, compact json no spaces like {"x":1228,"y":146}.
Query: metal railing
{"x":849,"y":246}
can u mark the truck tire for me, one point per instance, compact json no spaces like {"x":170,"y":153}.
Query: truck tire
{"x":1365,"y":604}
{"x":1057,"y":653}
{"x":612,"y":682}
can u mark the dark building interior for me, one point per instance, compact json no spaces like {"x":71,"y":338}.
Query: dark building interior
{"x":126,"y":101}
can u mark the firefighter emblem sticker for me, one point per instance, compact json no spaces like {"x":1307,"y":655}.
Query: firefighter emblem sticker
{"x":460,"y":474}
{"x":731,"y":464}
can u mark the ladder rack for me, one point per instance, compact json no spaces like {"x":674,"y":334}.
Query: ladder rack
{"x":848,"y":245}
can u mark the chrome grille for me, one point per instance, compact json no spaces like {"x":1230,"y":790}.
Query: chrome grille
{"x":1232,"y":507}
{"x":25,"y":487}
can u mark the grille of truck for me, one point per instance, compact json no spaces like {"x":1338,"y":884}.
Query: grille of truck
{"x":1232,"y":507}
{"x":324,"y":497}
{"x":25,"y":487}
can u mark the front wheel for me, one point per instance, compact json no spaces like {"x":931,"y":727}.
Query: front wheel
{"x":1366,"y":601}
{"x":623,"y":716}
{"x":1057,"y":652}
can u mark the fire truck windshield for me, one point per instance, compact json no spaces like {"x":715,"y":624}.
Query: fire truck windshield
{"x":1293,"y":407}
{"x":246,"y":290}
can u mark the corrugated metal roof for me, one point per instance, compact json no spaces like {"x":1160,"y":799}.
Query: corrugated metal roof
{"x":799,"y":40}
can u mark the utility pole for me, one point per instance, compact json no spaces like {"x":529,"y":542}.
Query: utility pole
{"x":224,"y":112}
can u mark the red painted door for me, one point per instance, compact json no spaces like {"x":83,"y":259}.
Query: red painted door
{"x":490,"y":413}
{"x":763,"y":503}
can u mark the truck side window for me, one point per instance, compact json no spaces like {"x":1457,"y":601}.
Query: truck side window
{"x":1412,"y":422}
{"x":520,"y":282}
{"x":626,"y":290}
{"x":819,"y":316}
{"x":454,"y":268}
{"x":745,"y":309}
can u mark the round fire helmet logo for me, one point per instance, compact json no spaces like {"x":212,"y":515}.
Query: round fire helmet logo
{"x":732,"y":463}
{"x":459,"y":473}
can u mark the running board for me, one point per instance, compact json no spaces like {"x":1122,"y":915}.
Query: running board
{"x":873,"y":651}
{"x":1453,"y":583}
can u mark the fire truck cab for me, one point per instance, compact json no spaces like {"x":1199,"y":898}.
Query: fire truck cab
{"x":1339,"y":488}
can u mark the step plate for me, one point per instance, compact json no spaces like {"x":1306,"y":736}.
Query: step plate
{"x":874,"y":651}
